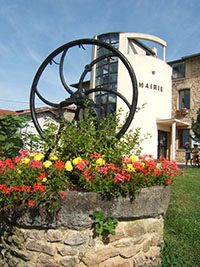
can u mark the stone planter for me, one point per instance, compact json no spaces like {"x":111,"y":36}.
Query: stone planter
{"x":31,"y":239}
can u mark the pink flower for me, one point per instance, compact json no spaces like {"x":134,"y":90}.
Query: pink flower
{"x":36,"y":164}
{"x":80,"y":166}
{"x":23,"y":152}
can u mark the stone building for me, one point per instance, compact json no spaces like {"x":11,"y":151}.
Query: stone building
{"x":185,"y":98}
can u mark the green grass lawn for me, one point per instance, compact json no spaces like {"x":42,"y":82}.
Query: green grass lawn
{"x":182,"y":222}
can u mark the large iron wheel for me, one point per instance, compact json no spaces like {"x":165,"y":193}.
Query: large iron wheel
{"x":78,"y":97}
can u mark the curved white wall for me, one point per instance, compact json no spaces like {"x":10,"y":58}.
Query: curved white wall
{"x":154,"y":88}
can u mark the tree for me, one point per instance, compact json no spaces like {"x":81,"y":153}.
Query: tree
{"x":196,"y":127}
{"x":11,"y":138}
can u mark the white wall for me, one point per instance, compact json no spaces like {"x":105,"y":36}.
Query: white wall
{"x":153,"y":73}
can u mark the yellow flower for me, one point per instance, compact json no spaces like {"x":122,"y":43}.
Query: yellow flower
{"x":39,"y":157}
{"x":25,"y":161}
{"x":33,"y":154}
{"x":100,"y":162}
{"x":47,"y":164}
{"x":19,"y":171}
{"x":44,"y":179}
{"x":76,"y":161}
{"x":68,"y":166}
{"x":130,"y":168}
{"x":53,"y":157}
{"x":133,"y":158}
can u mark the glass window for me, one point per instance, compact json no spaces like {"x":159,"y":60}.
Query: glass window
{"x":184,"y":98}
{"x":113,"y":67}
{"x":113,"y":86}
{"x":183,"y":136}
{"x":178,"y":70}
{"x":106,"y":75}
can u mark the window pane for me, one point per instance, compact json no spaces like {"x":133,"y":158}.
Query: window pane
{"x":184,"y":98}
{"x":178,"y":70}
{"x":106,"y":76}
{"x":113,"y":67}
{"x":187,"y":98}
{"x":183,"y":136}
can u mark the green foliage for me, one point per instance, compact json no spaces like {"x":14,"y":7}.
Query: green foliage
{"x":104,"y":226}
{"x":81,"y":138}
{"x":14,"y":137}
{"x":11,"y":138}
{"x":196,"y":127}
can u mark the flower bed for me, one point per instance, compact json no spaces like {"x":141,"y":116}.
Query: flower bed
{"x":30,"y":181}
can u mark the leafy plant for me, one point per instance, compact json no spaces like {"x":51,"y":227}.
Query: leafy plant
{"x":11,"y":139}
{"x":196,"y":127}
{"x":104,"y":226}
{"x":13,"y":136}
{"x":82,"y":138}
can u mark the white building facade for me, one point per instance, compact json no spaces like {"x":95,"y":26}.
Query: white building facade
{"x":154,"y":81}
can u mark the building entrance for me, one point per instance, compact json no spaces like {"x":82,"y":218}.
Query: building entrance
{"x":162,"y":144}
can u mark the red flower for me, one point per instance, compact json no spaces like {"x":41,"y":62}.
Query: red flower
{"x":31,"y":203}
{"x":6,"y":190}
{"x":95,"y":155}
{"x":2,"y":186}
{"x":41,"y":176}
{"x":169,"y":181}
{"x":17,"y":188}
{"x":59,"y":164}
{"x":38,"y":187}
{"x":119,"y":177}
{"x":63,"y":195}
{"x":88,"y":175}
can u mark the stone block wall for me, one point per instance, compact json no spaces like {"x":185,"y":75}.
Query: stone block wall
{"x":192,"y":82}
{"x":30,"y":239}
{"x":134,"y":244}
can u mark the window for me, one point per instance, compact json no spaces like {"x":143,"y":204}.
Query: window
{"x":178,"y":69}
{"x":184,"y":98}
{"x":183,"y":136}
{"x":106,"y":74}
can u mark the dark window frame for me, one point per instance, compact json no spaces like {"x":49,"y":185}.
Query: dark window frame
{"x":178,"y":69}
{"x":183,"y":137}
{"x":183,"y":102}
{"x":107,"y":72}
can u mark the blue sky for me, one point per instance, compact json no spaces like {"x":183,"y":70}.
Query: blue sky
{"x":31,"y":29}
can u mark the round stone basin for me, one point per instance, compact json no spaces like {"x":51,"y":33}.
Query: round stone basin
{"x":78,"y":207}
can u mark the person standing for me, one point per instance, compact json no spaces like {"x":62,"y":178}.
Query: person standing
{"x":195,"y":153}
{"x":187,"y":154}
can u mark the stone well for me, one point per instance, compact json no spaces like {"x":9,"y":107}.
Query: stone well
{"x":33,"y":240}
